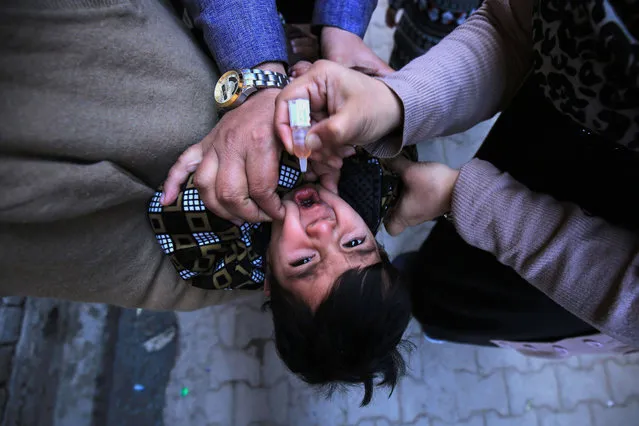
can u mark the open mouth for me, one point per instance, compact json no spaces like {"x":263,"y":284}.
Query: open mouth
{"x":307,"y":198}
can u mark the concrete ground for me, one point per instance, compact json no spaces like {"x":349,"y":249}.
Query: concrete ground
{"x":228,"y":363}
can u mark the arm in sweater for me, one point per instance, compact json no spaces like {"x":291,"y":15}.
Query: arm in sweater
{"x":467,"y":77}
{"x":588,"y":266}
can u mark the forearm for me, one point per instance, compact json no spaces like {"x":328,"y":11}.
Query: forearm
{"x":466,"y":78}
{"x":240,"y":36}
{"x":588,"y":266}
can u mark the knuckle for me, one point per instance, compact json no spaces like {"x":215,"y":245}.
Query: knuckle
{"x":229,"y":195}
{"x":232,"y":135}
{"x":262,"y":191}
{"x":244,"y":208}
{"x":261,"y":133}
{"x":323,"y":65}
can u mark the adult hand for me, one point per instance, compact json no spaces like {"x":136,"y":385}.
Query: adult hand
{"x":302,"y":44}
{"x":327,"y":176}
{"x":348,"y":49}
{"x":427,"y":194}
{"x":236,"y":164}
{"x":347,"y":108}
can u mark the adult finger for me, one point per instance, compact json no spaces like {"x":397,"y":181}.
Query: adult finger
{"x":232,"y":192}
{"x":205,"y":181}
{"x":297,"y":89}
{"x":395,"y":224}
{"x":327,"y":175}
{"x":374,"y":68}
{"x":330,"y":180}
{"x":299,"y":69}
{"x":262,"y":176}
{"x":338,"y":129}
{"x":179,"y":173}
{"x":312,"y":86}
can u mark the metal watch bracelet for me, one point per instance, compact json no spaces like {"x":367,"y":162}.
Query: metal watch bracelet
{"x":263,"y":79}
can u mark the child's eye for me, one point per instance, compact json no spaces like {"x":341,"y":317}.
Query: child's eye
{"x":354,"y":243}
{"x":301,"y":262}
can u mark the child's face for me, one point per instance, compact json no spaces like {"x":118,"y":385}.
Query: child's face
{"x":320,"y":238}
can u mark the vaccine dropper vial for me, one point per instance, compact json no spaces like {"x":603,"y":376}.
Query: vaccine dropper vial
{"x":299,"y":114}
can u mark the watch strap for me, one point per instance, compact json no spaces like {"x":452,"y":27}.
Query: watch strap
{"x":264,"y":79}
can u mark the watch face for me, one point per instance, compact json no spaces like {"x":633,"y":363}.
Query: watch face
{"x":226,"y":87}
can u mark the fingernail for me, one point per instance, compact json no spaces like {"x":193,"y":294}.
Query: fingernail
{"x":313,"y":141}
{"x":263,"y":217}
{"x":347,"y":151}
{"x":236,"y":222}
{"x":293,"y":73}
{"x":162,"y":197}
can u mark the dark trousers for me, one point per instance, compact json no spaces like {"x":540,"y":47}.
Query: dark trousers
{"x":464,"y":294}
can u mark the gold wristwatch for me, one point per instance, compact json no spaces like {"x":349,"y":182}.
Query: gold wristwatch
{"x":235,"y":86}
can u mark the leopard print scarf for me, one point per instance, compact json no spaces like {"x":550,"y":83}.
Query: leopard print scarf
{"x":586,"y":62}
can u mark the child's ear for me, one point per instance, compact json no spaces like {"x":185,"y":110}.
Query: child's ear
{"x":267,"y":287}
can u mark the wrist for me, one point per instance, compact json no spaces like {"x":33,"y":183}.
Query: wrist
{"x":392,"y":109}
{"x":329,"y":31}
{"x":272,"y":66}
{"x":451,"y":181}
{"x":275,"y":67}
{"x":331,"y":35}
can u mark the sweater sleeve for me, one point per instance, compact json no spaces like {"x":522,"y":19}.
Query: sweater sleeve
{"x":585,"y":264}
{"x":240,"y":35}
{"x":349,"y":15}
{"x":467,"y":77}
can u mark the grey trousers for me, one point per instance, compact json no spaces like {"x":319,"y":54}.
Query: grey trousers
{"x":98,"y":98}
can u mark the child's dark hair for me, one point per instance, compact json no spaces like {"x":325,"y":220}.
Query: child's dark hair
{"x":354,"y":335}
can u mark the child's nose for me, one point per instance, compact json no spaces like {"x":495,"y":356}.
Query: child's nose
{"x":320,"y":229}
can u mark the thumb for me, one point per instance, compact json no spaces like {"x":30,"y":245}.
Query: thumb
{"x":300,"y":68}
{"x":395,"y":225}
{"x":330,"y":181}
{"x":374,"y":69}
{"x":384,"y":69}
{"x":180,"y":171}
{"x":338,"y":129}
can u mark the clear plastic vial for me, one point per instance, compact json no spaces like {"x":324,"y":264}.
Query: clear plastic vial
{"x":299,"y":115}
